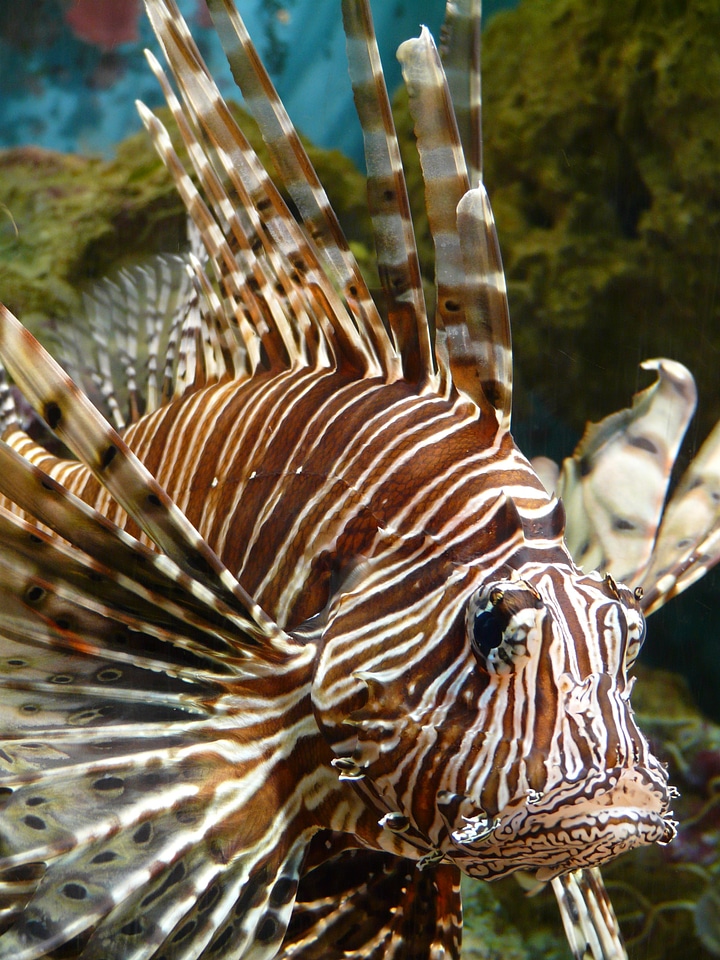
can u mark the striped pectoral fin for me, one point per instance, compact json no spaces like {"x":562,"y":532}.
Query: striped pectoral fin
{"x":163,"y":852}
{"x":107,"y":566}
{"x":78,"y":423}
{"x":688,"y":543}
{"x":614,"y":485}
{"x":365,"y":905}
{"x":588,"y":916}
{"x":63,"y":623}
{"x":197,"y":907}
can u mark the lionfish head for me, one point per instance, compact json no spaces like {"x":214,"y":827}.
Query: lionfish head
{"x":559,"y":777}
{"x":512,"y":745}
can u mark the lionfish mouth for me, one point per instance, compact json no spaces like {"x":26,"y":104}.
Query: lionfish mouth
{"x":571,"y":826}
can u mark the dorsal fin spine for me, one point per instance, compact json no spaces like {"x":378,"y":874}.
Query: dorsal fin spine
{"x":460,"y":55}
{"x":239,"y":163}
{"x":472,"y":301}
{"x":301,"y":181}
{"x":397,"y":257}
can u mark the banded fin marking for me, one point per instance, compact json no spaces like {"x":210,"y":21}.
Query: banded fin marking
{"x":446,"y":182}
{"x":688,"y":543}
{"x":460,"y":55}
{"x":132,"y":321}
{"x":147,"y":845}
{"x":57,"y":597}
{"x":303,"y":185}
{"x":404,"y":912}
{"x":255,"y":270}
{"x":397,"y":258}
{"x":464,"y":236}
{"x":588,"y":916}
{"x":614,"y":485}
{"x":76,"y":421}
{"x":238,"y":302}
{"x":240,"y":165}
{"x":113,"y":554}
{"x":486,"y":305}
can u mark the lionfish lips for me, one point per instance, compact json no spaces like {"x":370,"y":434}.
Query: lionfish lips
{"x":571,"y":826}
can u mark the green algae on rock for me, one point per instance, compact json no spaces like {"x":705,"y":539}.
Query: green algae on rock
{"x":602,"y":137}
{"x":67,"y":220}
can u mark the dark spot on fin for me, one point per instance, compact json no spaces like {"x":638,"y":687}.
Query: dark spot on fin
{"x":642,"y":443}
{"x":35,"y":823}
{"x":52,"y":414}
{"x":108,"y":456}
{"x":105,"y":857}
{"x":200,"y":564}
{"x":571,"y":908}
{"x":268,"y":928}
{"x":34,"y":594}
{"x":37,"y":929}
{"x":74,"y":891}
{"x":142,"y":834}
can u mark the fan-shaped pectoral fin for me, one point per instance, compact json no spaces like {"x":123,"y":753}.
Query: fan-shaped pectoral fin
{"x":167,"y":840}
{"x":73,"y":417}
{"x":367,"y":905}
{"x":145,"y":809}
{"x":688,"y":543}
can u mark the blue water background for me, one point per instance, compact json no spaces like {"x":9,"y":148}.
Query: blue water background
{"x":59,"y":92}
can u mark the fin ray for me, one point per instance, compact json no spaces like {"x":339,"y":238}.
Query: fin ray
{"x":71,"y":415}
{"x":388,"y":202}
{"x":588,"y":916}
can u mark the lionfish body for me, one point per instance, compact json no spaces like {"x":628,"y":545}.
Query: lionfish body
{"x":306,"y":641}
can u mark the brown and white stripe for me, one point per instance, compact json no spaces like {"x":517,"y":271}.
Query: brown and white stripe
{"x":307,"y":636}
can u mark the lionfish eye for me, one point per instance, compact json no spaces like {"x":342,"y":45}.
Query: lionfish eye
{"x":487,"y":632}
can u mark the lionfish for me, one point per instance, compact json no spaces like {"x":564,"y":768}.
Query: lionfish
{"x":300,"y":639}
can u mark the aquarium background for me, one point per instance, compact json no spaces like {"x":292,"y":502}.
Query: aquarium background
{"x":71,"y":70}
{"x":602,"y":144}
